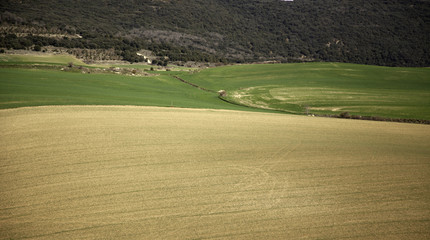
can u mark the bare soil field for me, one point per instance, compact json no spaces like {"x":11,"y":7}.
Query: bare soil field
{"x":122,"y":172}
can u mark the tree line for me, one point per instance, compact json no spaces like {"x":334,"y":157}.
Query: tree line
{"x":123,"y":47}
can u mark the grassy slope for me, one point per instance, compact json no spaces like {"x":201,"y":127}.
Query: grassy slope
{"x":165,"y":173}
{"x":53,"y":59}
{"x":46,"y":87}
{"x":326,"y":88}
{"x":21,"y":87}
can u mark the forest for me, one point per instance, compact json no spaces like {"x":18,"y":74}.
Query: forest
{"x":388,"y":33}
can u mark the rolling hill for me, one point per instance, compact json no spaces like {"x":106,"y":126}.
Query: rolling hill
{"x":167,"y":168}
{"x":127,"y":172}
{"x":136,"y":151}
{"x":391,"y":33}
{"x":323,"y":88}
{"x":297,"y":88}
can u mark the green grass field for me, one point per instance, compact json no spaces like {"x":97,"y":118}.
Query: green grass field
{"x":313,"y":88}
{"x":325,"y":88}
{"x":23,"y":87}
{"x":20,"y":87}
{"x":53,"y":59}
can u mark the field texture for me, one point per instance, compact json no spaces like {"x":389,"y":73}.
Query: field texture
{"x":37,"y":80}
{"x":305,"y":88}
{"x":37,"y":87}
{"x":324,"y":88}
{"x":41,"y":58}
{"x":165,"y":173}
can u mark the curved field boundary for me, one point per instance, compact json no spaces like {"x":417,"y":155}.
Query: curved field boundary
{"x":327,"y":88}
{"x":342,"y":115}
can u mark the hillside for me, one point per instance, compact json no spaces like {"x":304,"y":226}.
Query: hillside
{"x":393,"y":93}
{"x":391,"y":33}
{"x":323,"y":88}
{"x":124,"y":172}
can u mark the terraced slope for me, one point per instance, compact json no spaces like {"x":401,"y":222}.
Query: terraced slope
{"x":164,"y":173}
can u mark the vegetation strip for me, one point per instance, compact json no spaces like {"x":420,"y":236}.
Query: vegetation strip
{"x":344,"y":115}
{"x":194,"y":85}
{"x":252,"y":107}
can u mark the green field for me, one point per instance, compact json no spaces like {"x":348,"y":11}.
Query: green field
{"x":120,"y":172}
{"x":324,"y":88}
{"x":53,"y":59}
{"x":27,"y":85}
{"x":304,"y":88}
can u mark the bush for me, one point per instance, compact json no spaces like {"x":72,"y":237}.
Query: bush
{"x":37,"y":48}
{"x":344,"y":115}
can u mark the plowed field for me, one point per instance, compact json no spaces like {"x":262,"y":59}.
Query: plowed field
{"x":165,"y":173}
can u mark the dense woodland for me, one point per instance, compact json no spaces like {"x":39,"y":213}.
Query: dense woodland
{"x":391,"y":33}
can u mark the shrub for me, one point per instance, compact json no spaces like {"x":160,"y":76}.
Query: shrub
{"x":344,"y":115}
{"x":222,"y":93}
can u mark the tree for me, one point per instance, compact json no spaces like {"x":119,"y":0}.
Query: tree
{"x":37,"y":48}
